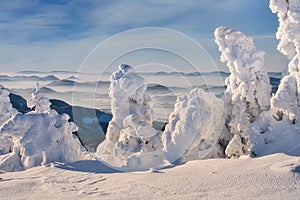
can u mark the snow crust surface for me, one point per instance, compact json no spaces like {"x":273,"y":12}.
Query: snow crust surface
{"x":270,"y":177}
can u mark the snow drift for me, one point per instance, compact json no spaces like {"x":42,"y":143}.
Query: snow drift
{"x":37,"y":138}
{"x":248,"y":88}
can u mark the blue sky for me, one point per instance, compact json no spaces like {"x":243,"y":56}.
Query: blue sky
{"x":58,"y":35}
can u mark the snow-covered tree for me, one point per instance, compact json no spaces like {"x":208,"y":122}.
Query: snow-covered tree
{"x":194,"y":126}
{"x":37,"y":138}
{"x":131,"y":141}
{"x":38,"y":101}
{"x":277,"y":130}
{"x":286,"y":102}
{"x":130,"y":133}
{"x":248,"y":88}
{"x":6,"y":109}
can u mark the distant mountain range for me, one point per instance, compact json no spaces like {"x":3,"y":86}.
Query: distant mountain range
{"x":57,"y":72}
{"x":67,"y":82}
{"x":163,"y":73}
{"x":50,"y":72}
{"x":160,"y":73}
{"x":28,"y":78}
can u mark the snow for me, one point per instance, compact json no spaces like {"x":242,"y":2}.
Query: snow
{"x":278,"y":130}
{"x":6,"y":109}
{"x":194,"y":126}
{"x":270,"y":177}
{"x":38,"y":101}
{"x":248,"y":88}
{"x":263,"y":132}
{"x":131,"y":141}
{"x":288,"y":32}
{"x":270,"y":136}
{"x":286,"y":101}
{"x":39,"y":137}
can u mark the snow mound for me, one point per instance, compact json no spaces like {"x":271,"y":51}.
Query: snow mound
{"x":194,"y":126}
{"x":248,"y":88}
{"x":38,"y":138}
{"x":270,"y":136}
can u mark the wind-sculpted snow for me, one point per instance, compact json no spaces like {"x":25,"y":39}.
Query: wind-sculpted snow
{"x":38,"y":138}
{"x":248,"y":88}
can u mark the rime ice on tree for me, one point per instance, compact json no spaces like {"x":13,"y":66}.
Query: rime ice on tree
{"x":131,"y":141}
{"x":37,"y":138}
{"x":194,"y":126}
{"x":6,"y":109}
{"x":248,"y":88}
{"x":38,"y":101}
{"x":286,"y":102}
{"x":130,"y":132}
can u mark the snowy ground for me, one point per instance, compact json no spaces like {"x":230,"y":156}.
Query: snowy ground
{"x":275,"y":176}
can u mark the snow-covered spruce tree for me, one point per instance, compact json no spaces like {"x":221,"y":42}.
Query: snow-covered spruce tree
{"x":133,"y":144}
{"x":248,"y":88}
{"x":38,"y":138}
{"x":38,"y":101}
{"x":194,"y":127}
{"x":286,"y":102}
{"x":130,"y":136}
{"x":6,"y":109}
{"x":277,"y":130}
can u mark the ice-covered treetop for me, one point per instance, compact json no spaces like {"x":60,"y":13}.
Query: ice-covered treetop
{"x":238,"y":51}
{"x":38,"y":101}
{"x":126,"y":82}
{"x":6,"y":109}
{"x":288,"y":12}
{"x":123,"y":69}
